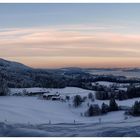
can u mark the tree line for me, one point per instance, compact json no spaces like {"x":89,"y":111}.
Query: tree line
{"x":108,"y":93}
{"x":94,"y":109}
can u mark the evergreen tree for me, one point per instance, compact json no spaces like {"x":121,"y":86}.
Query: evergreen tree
{"x":90,"y":96}
{"x":90,"y":111}
{"x":77,"y":100}
{"x":113,"y":106}
{"x":136,"y":109}
{"x":3,"y":87}
{"x":94,"y":110}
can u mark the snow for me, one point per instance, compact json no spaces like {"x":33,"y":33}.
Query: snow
{"x":129,"y":74}
{"x":63,"y":91}
{"x":31,"y":109}
{"x":120,"y":86}
{"x":32,"y":116}
{"x":105,"y":83}
{"x":72,"y":130}
{"x":108,"y":84}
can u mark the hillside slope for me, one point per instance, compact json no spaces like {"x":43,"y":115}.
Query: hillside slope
{"x":19,"y":75}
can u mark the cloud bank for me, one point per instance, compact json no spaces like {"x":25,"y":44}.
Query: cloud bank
{"x":75,"y":44}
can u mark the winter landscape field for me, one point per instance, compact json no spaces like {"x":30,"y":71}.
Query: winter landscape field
{"x":29,"y":113}
{"x":82,"y":104}
{"x":34,"y":116}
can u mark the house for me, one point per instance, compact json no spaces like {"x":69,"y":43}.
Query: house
{"x":51,"y":96}
{"x":56,"y":98}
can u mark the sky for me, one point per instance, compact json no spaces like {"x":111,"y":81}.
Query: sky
{"x":71,"y":35}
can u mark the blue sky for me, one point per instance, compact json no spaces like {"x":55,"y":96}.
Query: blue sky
{"x":25,"y":15}
{"x":61,"y":35}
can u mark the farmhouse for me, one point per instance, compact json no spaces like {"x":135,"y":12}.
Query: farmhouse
{"x":55,"y":98}
{"x":51,"y":96}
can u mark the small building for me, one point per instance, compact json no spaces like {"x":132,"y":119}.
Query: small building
{"x":51,"y":96}
{"x":56,"y":98}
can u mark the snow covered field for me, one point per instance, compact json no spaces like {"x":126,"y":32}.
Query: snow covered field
{"x":108,"y":84}
{"x":122,"y":129}
{"x":71,"y":91}
{"x":24,"y":109}
{"x":32,"y":116}
{"x":36,"y":111}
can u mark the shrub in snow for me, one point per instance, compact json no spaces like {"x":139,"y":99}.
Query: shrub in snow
{"x":104,"y":108}
{"x":113,"y":106}
{"x":77,"y":101}
{"x":67,"y":98}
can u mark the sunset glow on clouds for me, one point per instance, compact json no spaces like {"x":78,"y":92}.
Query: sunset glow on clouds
{"x":66,"y":45}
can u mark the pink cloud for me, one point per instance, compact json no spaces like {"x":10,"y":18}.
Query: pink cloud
{"x":68,"y":42}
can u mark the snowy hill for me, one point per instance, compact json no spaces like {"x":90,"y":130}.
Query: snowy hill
{"x":19,"y":75}
{"x":12,"y":66}
{"x":24,"y":109}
